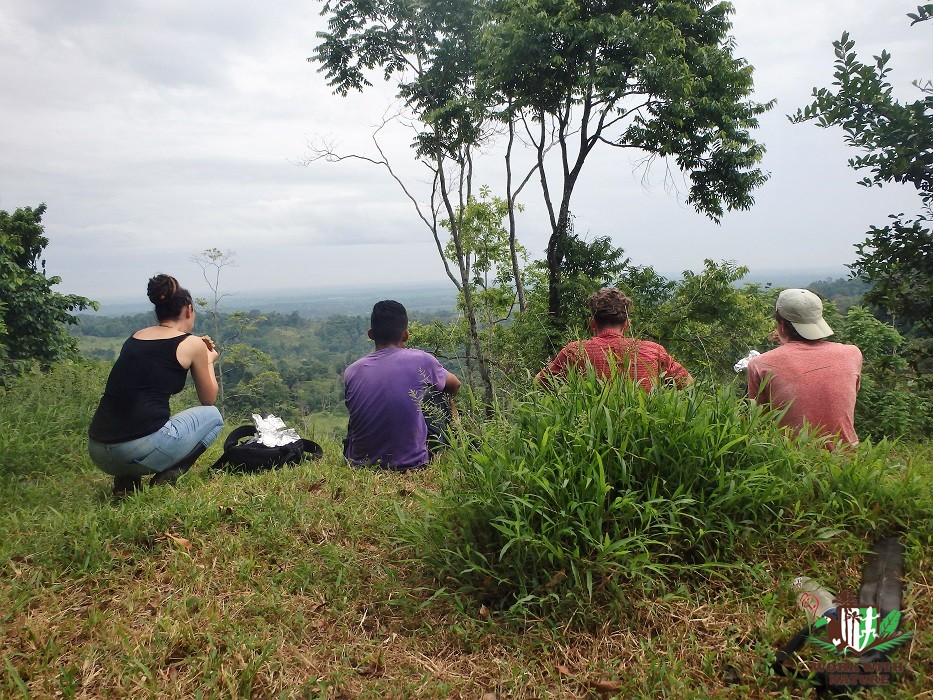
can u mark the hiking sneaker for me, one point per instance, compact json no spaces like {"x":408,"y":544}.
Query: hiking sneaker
{"x":168,"y":477}
{"x":124,"y":486}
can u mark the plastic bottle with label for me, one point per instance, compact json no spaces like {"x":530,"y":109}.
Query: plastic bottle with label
{"x":813,"y":598}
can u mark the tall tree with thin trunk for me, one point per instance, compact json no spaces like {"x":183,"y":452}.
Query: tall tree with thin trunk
{"x":429,"y":46}
{"x":566,"y":76}
{"x":658,"y":76}
{"x":212,"y":262}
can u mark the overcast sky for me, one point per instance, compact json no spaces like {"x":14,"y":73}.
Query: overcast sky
{"x":154,"y":129}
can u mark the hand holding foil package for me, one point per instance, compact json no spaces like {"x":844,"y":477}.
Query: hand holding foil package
{"x":272,"y":432}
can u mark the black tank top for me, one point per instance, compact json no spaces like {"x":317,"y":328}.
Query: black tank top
{"x":135,"y":402}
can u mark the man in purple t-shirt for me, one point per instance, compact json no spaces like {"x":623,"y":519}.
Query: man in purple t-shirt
{"x":384,"y":391}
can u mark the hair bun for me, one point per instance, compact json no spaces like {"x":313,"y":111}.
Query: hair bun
{"x":162,"y":288}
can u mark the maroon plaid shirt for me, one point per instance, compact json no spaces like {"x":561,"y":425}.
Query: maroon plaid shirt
{"x":644,"y":361}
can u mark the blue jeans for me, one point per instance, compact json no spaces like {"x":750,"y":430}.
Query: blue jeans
{"x":162,"y":449}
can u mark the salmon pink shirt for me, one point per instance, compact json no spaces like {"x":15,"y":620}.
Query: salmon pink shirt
{"x":817,"y":382}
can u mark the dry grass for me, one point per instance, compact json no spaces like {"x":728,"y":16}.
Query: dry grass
{"x":292,"y":585}
{"x":289,"y":585}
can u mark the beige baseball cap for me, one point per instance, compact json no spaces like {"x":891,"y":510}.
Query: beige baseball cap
{"x":804,"y":310}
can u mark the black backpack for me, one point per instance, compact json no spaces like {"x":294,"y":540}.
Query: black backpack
{"x":246,"y":457}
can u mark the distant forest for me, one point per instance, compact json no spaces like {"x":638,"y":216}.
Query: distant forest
{"x":292,"y":362}
{"x":274,"y":362}
{"x":844,"y":292}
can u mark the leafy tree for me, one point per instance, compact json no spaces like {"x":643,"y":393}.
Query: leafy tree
{"x":32,"y":314}
{"x":656,"y":76}
{"x":430,"y":46}
{"x":894,"y":143}
{"x":568,"y":75}
{"x":898,"y":259}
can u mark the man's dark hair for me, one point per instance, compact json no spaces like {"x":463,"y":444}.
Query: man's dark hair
{"x":388,"y":322}
{"x":610,"y":307}
{"x":792,"y":332}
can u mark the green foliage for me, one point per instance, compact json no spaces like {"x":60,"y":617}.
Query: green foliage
{"x":672,"y":58}
{"x":484,"y":244}
{"x":574,"y":496}
{"x":894,"y":143}
{"x":32,"y":314}
{"x":429,"y":45}
{"x":898,"y":258}
{"x":893,"y":136}
{"x":706,"y":321}
{"x":254,"y":384}
{"x":588,"y":265}
{"x":893,"y":401}
{"x":44,"y":418}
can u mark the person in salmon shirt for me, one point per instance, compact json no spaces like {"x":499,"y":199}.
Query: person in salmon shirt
{"x":814,"y":380}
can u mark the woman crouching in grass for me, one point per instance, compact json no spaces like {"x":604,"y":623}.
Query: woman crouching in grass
{"x":133,"y":432}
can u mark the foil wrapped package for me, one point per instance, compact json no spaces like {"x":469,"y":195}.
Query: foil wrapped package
{"x":742,"y":364}
{"x":271,"y":431}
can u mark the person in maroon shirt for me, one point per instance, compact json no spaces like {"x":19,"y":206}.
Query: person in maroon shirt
{"x":645,"y":362}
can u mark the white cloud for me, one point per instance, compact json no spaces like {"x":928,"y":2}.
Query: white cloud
{"x":154,"y":130}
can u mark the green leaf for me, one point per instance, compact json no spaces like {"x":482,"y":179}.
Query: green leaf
{"x":889,"y":624}
{"x":822,"y":644}
{"x":891,"y":643}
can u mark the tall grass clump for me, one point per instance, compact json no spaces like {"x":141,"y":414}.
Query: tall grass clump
{"x":594,"y":486}
{"x":44,"y":417}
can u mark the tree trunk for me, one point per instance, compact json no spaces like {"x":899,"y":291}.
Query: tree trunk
{"x":510,"y":198}
{"x":453,"y":216}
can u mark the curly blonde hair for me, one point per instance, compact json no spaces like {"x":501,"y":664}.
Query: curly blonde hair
{"x":610,"y":306}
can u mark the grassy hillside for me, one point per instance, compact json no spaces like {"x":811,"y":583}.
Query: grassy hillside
{"x":300,"y":584}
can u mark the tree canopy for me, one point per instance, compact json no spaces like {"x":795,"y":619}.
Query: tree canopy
{"x":567,"y":76}
{"x":895,"y":144}
{"x":32,"y":314}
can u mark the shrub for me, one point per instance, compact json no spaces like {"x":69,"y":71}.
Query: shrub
{"x":574,"y":494}
{"x":893,"y":401}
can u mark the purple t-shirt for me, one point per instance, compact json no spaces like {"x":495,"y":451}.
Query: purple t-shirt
{"x":383,"y":394}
